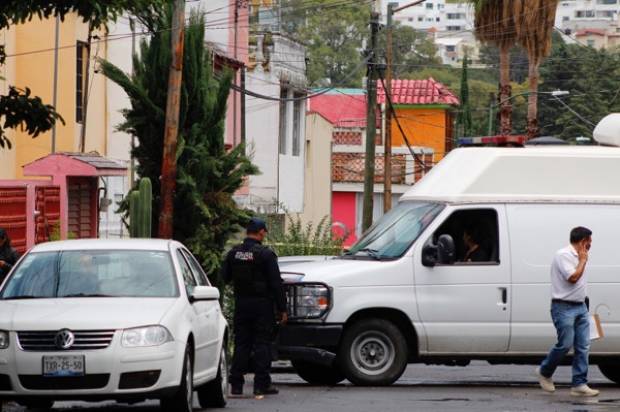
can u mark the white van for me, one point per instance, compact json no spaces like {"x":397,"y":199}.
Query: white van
{"x":403,"y":293}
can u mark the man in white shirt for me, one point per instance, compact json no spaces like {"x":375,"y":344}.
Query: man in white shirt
{"x":570,"y":314}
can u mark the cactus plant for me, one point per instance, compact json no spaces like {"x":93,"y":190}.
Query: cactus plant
{"x":140,"y":209}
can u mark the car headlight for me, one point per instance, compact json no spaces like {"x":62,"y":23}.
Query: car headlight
{"x":308,"y":301}
{"x":4,"y":339}
{"x":146,"y":336}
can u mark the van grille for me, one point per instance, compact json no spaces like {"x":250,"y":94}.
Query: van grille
{"x":46,"y":340}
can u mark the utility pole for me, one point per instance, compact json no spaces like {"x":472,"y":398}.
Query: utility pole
{"x":371,"y":127}
{"x":387,"y":162}
{"x":387,"y":155}
{"x":169,"y":163}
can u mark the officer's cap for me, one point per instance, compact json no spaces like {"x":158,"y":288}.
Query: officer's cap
{"x":256,"y":225}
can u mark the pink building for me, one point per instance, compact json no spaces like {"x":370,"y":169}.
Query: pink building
{"x":345,"y":109}
{"x":227,"y":35}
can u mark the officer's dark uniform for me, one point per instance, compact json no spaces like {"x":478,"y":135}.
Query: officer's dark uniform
{"x":253,"y":269}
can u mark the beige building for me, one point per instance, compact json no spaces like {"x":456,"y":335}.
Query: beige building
{"x":598,"y":38}
{"x":30,"y":63}
{"x":318,"y":188}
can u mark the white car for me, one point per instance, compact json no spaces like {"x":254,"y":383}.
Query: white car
{"x":124,"y":320}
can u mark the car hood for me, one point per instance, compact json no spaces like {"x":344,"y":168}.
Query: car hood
{"x":340,"y":272}
{"x":82,"y":313}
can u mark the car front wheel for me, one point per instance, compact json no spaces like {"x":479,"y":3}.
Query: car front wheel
{"x":373,"y":352}
{"x":183,"y":399}
{"x":214,"y":394}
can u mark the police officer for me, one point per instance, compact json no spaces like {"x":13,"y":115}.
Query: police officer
{"x":253,"y":270}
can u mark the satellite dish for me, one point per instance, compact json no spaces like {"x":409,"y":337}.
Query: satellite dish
{"x":607,"y":131}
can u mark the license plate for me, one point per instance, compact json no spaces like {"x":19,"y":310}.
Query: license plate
{"x":63,"y":365}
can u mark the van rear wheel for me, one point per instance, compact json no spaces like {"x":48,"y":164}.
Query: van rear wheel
{"x":316,"y":374}
{"x":611,"y":371}
{"x":373,"y":352}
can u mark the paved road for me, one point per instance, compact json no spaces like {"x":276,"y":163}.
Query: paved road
{"x":478,"y":387}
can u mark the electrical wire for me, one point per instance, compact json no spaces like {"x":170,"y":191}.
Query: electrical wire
{"x":388,"y":98}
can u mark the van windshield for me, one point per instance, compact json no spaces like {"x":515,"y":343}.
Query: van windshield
{"x":395,"y":232}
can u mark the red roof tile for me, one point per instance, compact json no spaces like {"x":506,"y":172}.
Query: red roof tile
{"x":414,"y":92}
{"x":585,"y":32}
{"x":340,"y":108}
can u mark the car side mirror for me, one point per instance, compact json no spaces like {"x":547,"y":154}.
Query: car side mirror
{"x":446,"y":251}
{"x":205,"y":293}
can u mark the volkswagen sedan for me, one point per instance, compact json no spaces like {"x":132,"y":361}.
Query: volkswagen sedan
{"x":125,"y":320}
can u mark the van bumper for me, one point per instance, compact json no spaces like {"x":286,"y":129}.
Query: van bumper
{"x":315,"y":343}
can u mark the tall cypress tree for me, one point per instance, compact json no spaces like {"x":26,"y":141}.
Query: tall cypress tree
{"x":207,"y":174}
{"x":463,"y":120}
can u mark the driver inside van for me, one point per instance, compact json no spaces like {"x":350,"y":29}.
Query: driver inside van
{"x":474,"y":244}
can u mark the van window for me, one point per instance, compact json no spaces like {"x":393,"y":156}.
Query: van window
{"x":395,"y":232}
{"x":475,"y":234}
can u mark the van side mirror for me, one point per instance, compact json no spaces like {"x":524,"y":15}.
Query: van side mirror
{"x":429,"y":255}
{"x":446,"y":251}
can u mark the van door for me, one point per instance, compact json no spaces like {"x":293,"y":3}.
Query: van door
{"x":465,"y":306}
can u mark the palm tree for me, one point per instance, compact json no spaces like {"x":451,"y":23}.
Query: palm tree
{"x":534,"y":24}
{"x":494,"y":24}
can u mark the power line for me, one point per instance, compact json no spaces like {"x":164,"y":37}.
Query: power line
{"x":306,"y":97}
{"x":388,"y":98}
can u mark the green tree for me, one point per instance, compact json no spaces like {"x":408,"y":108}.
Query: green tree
{"x":593,"y":79}
{"x":534,"y":25}
{"x":19,"y":108}
{"x":489,"y":55}
{"x":334,"y":35}
{"x":208,"y":175}
{"x":412,"y":49}
{"x":494,"y":25}
{"x":463,"y":118}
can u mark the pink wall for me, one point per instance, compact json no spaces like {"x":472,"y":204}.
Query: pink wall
{"x":343,"y":213}
{"x":240,"y":54}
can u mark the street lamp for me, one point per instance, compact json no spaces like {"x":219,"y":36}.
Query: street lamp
{"x":554,"y":93}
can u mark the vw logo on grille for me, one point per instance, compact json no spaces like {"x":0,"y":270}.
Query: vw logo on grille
{"x":64,"y":339}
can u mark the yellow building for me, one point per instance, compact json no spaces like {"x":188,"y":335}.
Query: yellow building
{"x":30,"y":63}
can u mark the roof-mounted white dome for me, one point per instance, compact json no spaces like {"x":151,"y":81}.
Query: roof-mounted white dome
{"x":607,"y":131}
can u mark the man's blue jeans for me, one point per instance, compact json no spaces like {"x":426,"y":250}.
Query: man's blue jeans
{"x":573,"y":327}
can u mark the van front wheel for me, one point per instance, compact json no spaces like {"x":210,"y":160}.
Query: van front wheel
{"x":611,"y":371}
{"x":373,"y":352}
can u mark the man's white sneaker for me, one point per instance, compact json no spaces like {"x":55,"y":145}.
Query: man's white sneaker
{"x":583,"y":390}
{"x":545,"y":383}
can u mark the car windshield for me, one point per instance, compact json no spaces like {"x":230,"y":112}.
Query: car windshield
{"x":395,"y":232}
{"x":92,"y":273}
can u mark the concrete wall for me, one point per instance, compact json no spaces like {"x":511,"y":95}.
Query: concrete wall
{"x":262,"y":118}
{"x":317,"y":190}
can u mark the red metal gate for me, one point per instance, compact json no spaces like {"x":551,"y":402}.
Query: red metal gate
{"x":13,"y":215}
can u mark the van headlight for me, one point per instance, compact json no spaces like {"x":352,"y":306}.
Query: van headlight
{"x":308,"y":301}
{"x":4,"y":339}
{"x":145,"y":336}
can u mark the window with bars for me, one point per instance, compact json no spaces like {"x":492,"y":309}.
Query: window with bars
{"x":297,"y":113}
{"x":80,"y":78}
{"x":283,"y":120}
